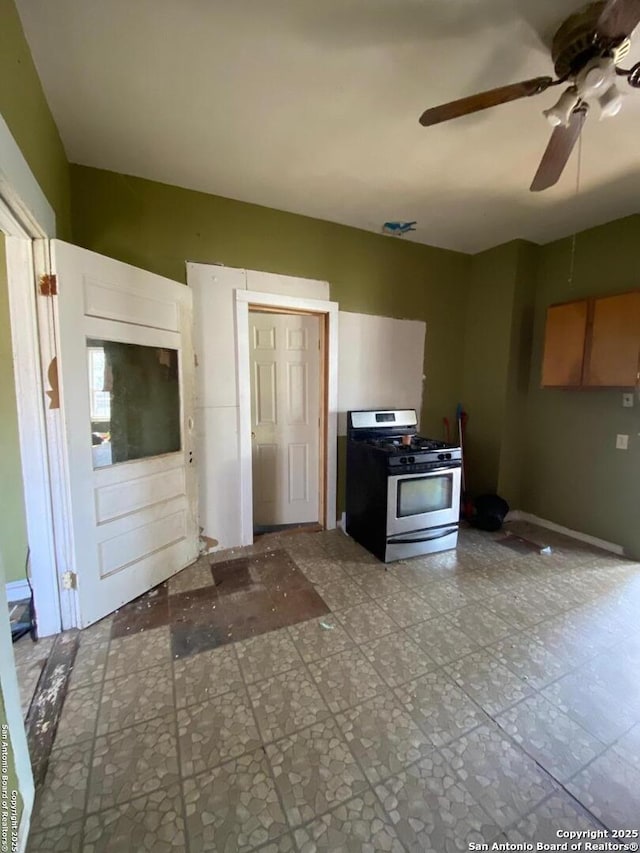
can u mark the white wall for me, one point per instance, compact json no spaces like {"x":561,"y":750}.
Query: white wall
{"x":380,"y":364}
{"x":217,"y":393}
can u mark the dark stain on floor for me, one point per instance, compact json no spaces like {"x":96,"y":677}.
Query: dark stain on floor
{"x":44,"y":713}
{"x":249,"y":596}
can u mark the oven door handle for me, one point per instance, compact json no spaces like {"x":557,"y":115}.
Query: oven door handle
{"x":404,"y":540}
{"x":403,"y":473}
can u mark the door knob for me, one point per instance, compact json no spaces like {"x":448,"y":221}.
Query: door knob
{"x":253,"y":435}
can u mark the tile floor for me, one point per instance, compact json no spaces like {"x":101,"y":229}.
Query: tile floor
{"x":492,"y":693}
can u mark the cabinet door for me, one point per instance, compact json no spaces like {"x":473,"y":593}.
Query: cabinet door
{"x":614,"y":352}
{"x":564,"y":345}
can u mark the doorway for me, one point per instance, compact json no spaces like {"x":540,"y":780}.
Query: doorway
{"x":287,"y":418}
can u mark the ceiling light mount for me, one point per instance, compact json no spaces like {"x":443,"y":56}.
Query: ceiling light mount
{"x":560,"y":112}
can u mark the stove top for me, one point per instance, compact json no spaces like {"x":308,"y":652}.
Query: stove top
{"x":395,"y":444}
{"x":390,"y":435}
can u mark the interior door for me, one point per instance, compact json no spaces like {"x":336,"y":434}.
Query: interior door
{"x":285,"y":417}
{"x":126,"y":384}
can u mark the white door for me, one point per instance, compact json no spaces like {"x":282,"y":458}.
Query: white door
{"x":285,"y":417}
{"x":126,"y":381}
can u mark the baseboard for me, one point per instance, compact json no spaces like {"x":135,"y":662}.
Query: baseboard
{"x":519,"y":515}
{"x":18,"y":590}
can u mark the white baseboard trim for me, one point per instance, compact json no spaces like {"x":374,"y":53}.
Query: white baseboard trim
{"x":519,"y":515}
{"x":17,"y":590}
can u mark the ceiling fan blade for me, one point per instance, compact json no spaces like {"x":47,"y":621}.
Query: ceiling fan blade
{"x":484,"y":100}
{"x":558,"y":151}
{"x":618,"y":20}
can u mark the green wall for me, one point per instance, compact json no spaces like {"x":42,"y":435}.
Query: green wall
{"x":514,"y":421}
{"x":486,"y":348}
{"x":573,"y":474}
{"x":25,"y":110}
{"x":159,"y":227}
{"x":13,"y":534}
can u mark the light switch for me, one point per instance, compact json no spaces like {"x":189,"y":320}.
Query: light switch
{"x":627,"y":400}
{"x":622,"y":442}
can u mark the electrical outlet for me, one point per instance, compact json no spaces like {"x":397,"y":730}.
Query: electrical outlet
{"x":627,"y":400}
{"x":622,"y":442}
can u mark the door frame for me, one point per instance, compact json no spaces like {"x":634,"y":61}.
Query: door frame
{"x":246,"y":300}
{"x":26,"y":216}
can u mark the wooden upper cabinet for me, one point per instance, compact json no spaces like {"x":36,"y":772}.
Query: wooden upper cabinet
{"x":564,"y":344}
{"x":613,"y":347}
{"x":593,"y":343}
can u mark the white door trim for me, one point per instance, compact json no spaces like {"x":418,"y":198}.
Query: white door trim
{"x":245,"y":298}
{"x":26,"y":215}
{"x":32,"y":429}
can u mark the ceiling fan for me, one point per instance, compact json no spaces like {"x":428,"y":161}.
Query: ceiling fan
{"x":586,"y":51}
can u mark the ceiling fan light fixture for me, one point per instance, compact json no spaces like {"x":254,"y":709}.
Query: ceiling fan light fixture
{"x":560,"y":113}
{"x":610,"y":102}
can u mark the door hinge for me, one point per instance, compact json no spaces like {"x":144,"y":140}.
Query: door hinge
{"x":69,"y":580}
{"x":48,"y":285}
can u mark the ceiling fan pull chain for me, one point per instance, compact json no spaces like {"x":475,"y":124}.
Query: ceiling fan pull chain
{"x":574,"y":237}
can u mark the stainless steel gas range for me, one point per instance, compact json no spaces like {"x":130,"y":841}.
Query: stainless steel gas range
{"x":403,"y":490}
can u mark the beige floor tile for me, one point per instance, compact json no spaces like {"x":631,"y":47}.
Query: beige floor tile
{"x":314,"y":771}
{"x":89,"y":665}
{"x":382,"y":736}
{"x":79,"y":716}
{"x":441,"y":640}
{"x":628,"y":746}
{"x":397,"y":658}
{"x":267,"y":655}
{"x":406,"y":608}
{"x":549,"y":736}
{"x":591,"y":706}
{"x":150,"y":824}
{"x":132,"y":762}
{"x":285,"y":703}
{"x":358,"y":826}
{"x":487,"y":681}
{"x":216,"y":731}
{"x":480,"y":623}
{"x":432,"y":811}
{"x":64,"y":838}
{"x":559,"y":812}
{"x":346,"y":679}
{"x":135,"y":698}
{"x":319,"y":638}
{"x":340,"y":594}
{"x":610,"y":789}
{"x":443,"y":711}
{"x":234,"y":807}
{"x":500,"y":776}
{"x":206,"y":675}
{"x":529,"y":659}
{"x":193,"y":577}
{"x":63,"y":795}
{"x":142,"y":651}
{"x":365,"y":622}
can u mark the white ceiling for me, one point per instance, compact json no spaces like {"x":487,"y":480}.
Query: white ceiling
{"x":312,"y":106}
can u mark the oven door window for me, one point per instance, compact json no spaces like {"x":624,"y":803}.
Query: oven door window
{"x":424,"y":494}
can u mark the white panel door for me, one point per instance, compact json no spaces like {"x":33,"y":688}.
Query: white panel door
{"x":126,"y":380}
{"x":285,"y":417}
